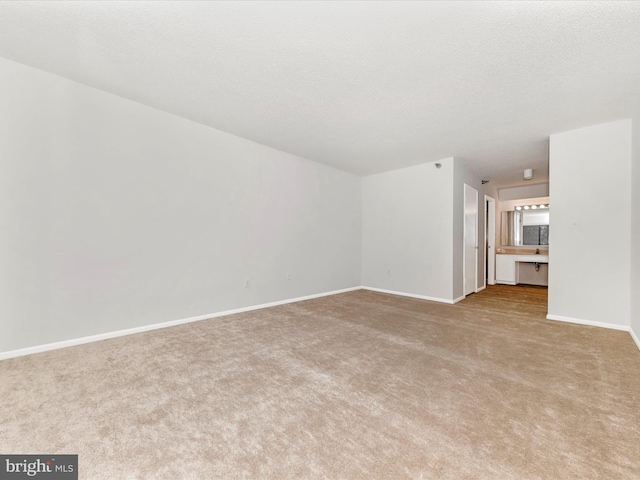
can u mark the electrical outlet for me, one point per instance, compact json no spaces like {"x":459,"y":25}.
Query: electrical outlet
{"x":247,"y":282}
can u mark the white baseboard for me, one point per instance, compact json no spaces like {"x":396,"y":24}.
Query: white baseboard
{"x":413,"y":295}
{"x":156,"y":326}
{"x":635,"y":338}
{"x":481,"y":288}
{"x":146,"y":328}
{"x":590,"y":323}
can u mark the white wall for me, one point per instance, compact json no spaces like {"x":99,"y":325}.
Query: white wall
{"x":635,"y":233}
{"x":407,"y":230}
{"x":590,"y":251}
{"x":524,"y":191}
{"x":115,"y":215}
{"x":413,"y":223}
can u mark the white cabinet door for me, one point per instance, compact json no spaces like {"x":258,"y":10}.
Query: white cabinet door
{"x":470,"y":240}
{"x":506,"y":269}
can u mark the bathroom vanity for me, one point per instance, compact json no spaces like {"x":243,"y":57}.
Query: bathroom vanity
{"x":514,"y":268}
{"x":525,"y":234}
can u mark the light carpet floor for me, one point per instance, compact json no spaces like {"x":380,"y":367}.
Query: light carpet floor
{"x":361,"y":385}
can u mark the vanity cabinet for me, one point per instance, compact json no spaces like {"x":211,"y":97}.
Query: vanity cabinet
{"x":506,"y":269}
{"x":508,"y":266}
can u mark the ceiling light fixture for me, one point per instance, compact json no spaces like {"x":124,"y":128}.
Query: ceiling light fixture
{"x":531,"y":207}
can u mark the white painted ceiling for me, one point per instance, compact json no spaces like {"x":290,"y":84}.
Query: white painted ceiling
{"x":362,"y":86}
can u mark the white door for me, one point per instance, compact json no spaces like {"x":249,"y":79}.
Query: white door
{"x":490,"y":273}
{"x":470,"y":239}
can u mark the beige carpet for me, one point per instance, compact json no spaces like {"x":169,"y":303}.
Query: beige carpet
{"x":360,"y":385}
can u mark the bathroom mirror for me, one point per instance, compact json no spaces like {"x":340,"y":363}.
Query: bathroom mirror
{"x":527,"y":225}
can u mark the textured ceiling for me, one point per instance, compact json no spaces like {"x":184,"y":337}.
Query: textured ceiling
{"x":363,"y":86}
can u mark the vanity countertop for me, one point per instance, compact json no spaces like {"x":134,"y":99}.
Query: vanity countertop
{"x":525,"y":256}
{"x":520,"y":251}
